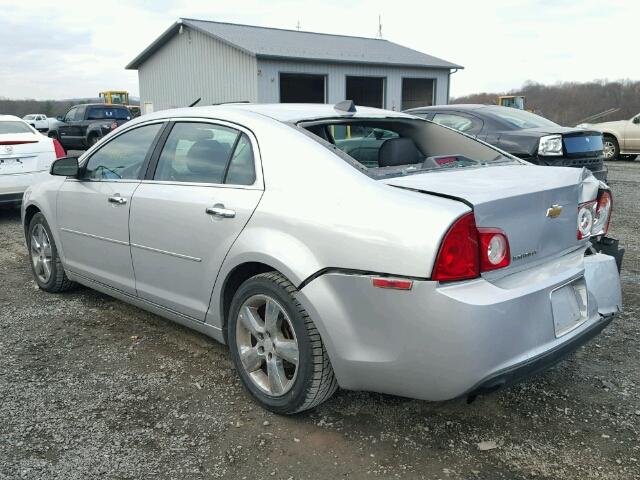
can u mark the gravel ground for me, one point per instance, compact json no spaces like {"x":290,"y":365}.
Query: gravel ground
{"x":91,"y":387}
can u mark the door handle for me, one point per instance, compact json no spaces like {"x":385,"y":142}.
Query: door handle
{"x":218,"y":210}
{"x":117,"y":199}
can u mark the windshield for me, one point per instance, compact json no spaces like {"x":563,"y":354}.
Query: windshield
{"x":29,"y":117}
{"x":14,"y":127}
{"x":520,"y":118}
{"x":390,"y":147}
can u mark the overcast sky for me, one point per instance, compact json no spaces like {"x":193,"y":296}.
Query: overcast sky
{"x":68,"y":48}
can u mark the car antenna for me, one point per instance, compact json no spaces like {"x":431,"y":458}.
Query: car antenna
{"x":196,"y":102}
{"x":346,"y":106}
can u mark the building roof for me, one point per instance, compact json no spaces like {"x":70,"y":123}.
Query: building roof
{"x":276,"y":43}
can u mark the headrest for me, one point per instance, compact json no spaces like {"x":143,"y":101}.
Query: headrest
{"x":207,"y":157}
{"x":399,"y":151}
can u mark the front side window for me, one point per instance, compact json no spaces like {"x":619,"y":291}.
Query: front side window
{"x":71,"y":115}
{"x":206,"y":153}
{"x":122,"y":158}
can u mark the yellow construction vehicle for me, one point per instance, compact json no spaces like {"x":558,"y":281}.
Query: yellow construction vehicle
{"x":513,"y":101}
{"x":119,"y":97}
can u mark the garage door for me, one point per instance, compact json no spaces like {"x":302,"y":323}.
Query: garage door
{"x":417,"y":92}
{"x":366,"y":91}
{"x":302,"y":88}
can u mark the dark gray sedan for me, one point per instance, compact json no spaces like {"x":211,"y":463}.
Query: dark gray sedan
{"x":524,"y":134}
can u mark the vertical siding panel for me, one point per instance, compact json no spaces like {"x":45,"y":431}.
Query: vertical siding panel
{"x":192,"y":65}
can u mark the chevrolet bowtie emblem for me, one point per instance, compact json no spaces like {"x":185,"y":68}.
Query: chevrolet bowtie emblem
{"x":554,"y":211}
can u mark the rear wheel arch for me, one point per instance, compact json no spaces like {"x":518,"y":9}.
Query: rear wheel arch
{"x":232,"y":282}
{"x":29,"y":213}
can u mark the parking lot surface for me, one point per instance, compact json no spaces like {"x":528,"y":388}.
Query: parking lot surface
{"x":91,"y":387}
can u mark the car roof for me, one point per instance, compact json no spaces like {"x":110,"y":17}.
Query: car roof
{"x":283,"y":112}
{"x":109,"y":105}
{"x":10,"y":118}
{"x":454,"y":106}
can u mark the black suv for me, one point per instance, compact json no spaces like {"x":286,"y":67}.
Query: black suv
{"x":83,"y":125}
{"x":523,"y":134}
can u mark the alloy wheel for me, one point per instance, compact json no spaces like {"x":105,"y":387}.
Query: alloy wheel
{"x":609,"y":149}
{"x":41,"y":255}
{"x":267,"y":345}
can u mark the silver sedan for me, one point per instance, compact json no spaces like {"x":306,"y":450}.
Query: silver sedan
{"x":334,"y":246}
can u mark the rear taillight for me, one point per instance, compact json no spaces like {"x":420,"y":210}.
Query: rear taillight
{"x":458,"y":258}
{"x":466,"y":251}
{"x":58,"y":148}
{"x":494,"y":249}
{"x":602,"y":219}
{"x":594,"y":216}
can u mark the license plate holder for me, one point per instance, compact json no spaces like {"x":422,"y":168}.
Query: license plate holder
{"x":11,"y":164}
{"x":569,"y":305}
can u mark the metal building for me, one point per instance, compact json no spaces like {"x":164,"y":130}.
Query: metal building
{"x":225,"y":62}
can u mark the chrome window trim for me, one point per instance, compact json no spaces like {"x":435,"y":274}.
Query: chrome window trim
{"x":258,"y":183}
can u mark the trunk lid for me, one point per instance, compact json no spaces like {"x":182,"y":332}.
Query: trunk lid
{"x":516,"y":198}
{"x":20,"y":152}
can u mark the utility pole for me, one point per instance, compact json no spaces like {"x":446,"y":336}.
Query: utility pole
{"x":298,"y":26}
{"x":379,"y":26}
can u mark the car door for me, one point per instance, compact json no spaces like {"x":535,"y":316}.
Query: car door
{"x":632,"y":135}
{"x":64,"y":129}
{"x":201,"y":190}
{"x":93,"y":210}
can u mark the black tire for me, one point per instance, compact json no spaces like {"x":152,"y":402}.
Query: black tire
{"x":51,"y":134}
{"x":314,"y":382}
{"x":93,"y":139}
{"x":608,"y":139}
{"x":58,"y":281}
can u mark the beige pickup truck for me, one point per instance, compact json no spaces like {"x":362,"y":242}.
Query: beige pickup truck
{"x":621,"y":138}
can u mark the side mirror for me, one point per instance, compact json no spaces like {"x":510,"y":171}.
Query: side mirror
{"x":636,"y":119}
{"x":65,"y":167}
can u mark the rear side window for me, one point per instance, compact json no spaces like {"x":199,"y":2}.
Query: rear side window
{"x":206,"y":153}
{"x":242,"y":168}
{"x":457,"y":122}
{"x":14,"y":127}
{"x":123,"y":157}
{"x":108,"y":113}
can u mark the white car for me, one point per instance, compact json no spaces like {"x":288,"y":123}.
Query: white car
{"x":25,"y":157}
{"x":39,"y":121}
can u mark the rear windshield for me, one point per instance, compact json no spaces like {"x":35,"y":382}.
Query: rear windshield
{"x":520,"y":118}
{"x":14,"y":127}
{"x":108,"y":113}
{"x":391,"y":147}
